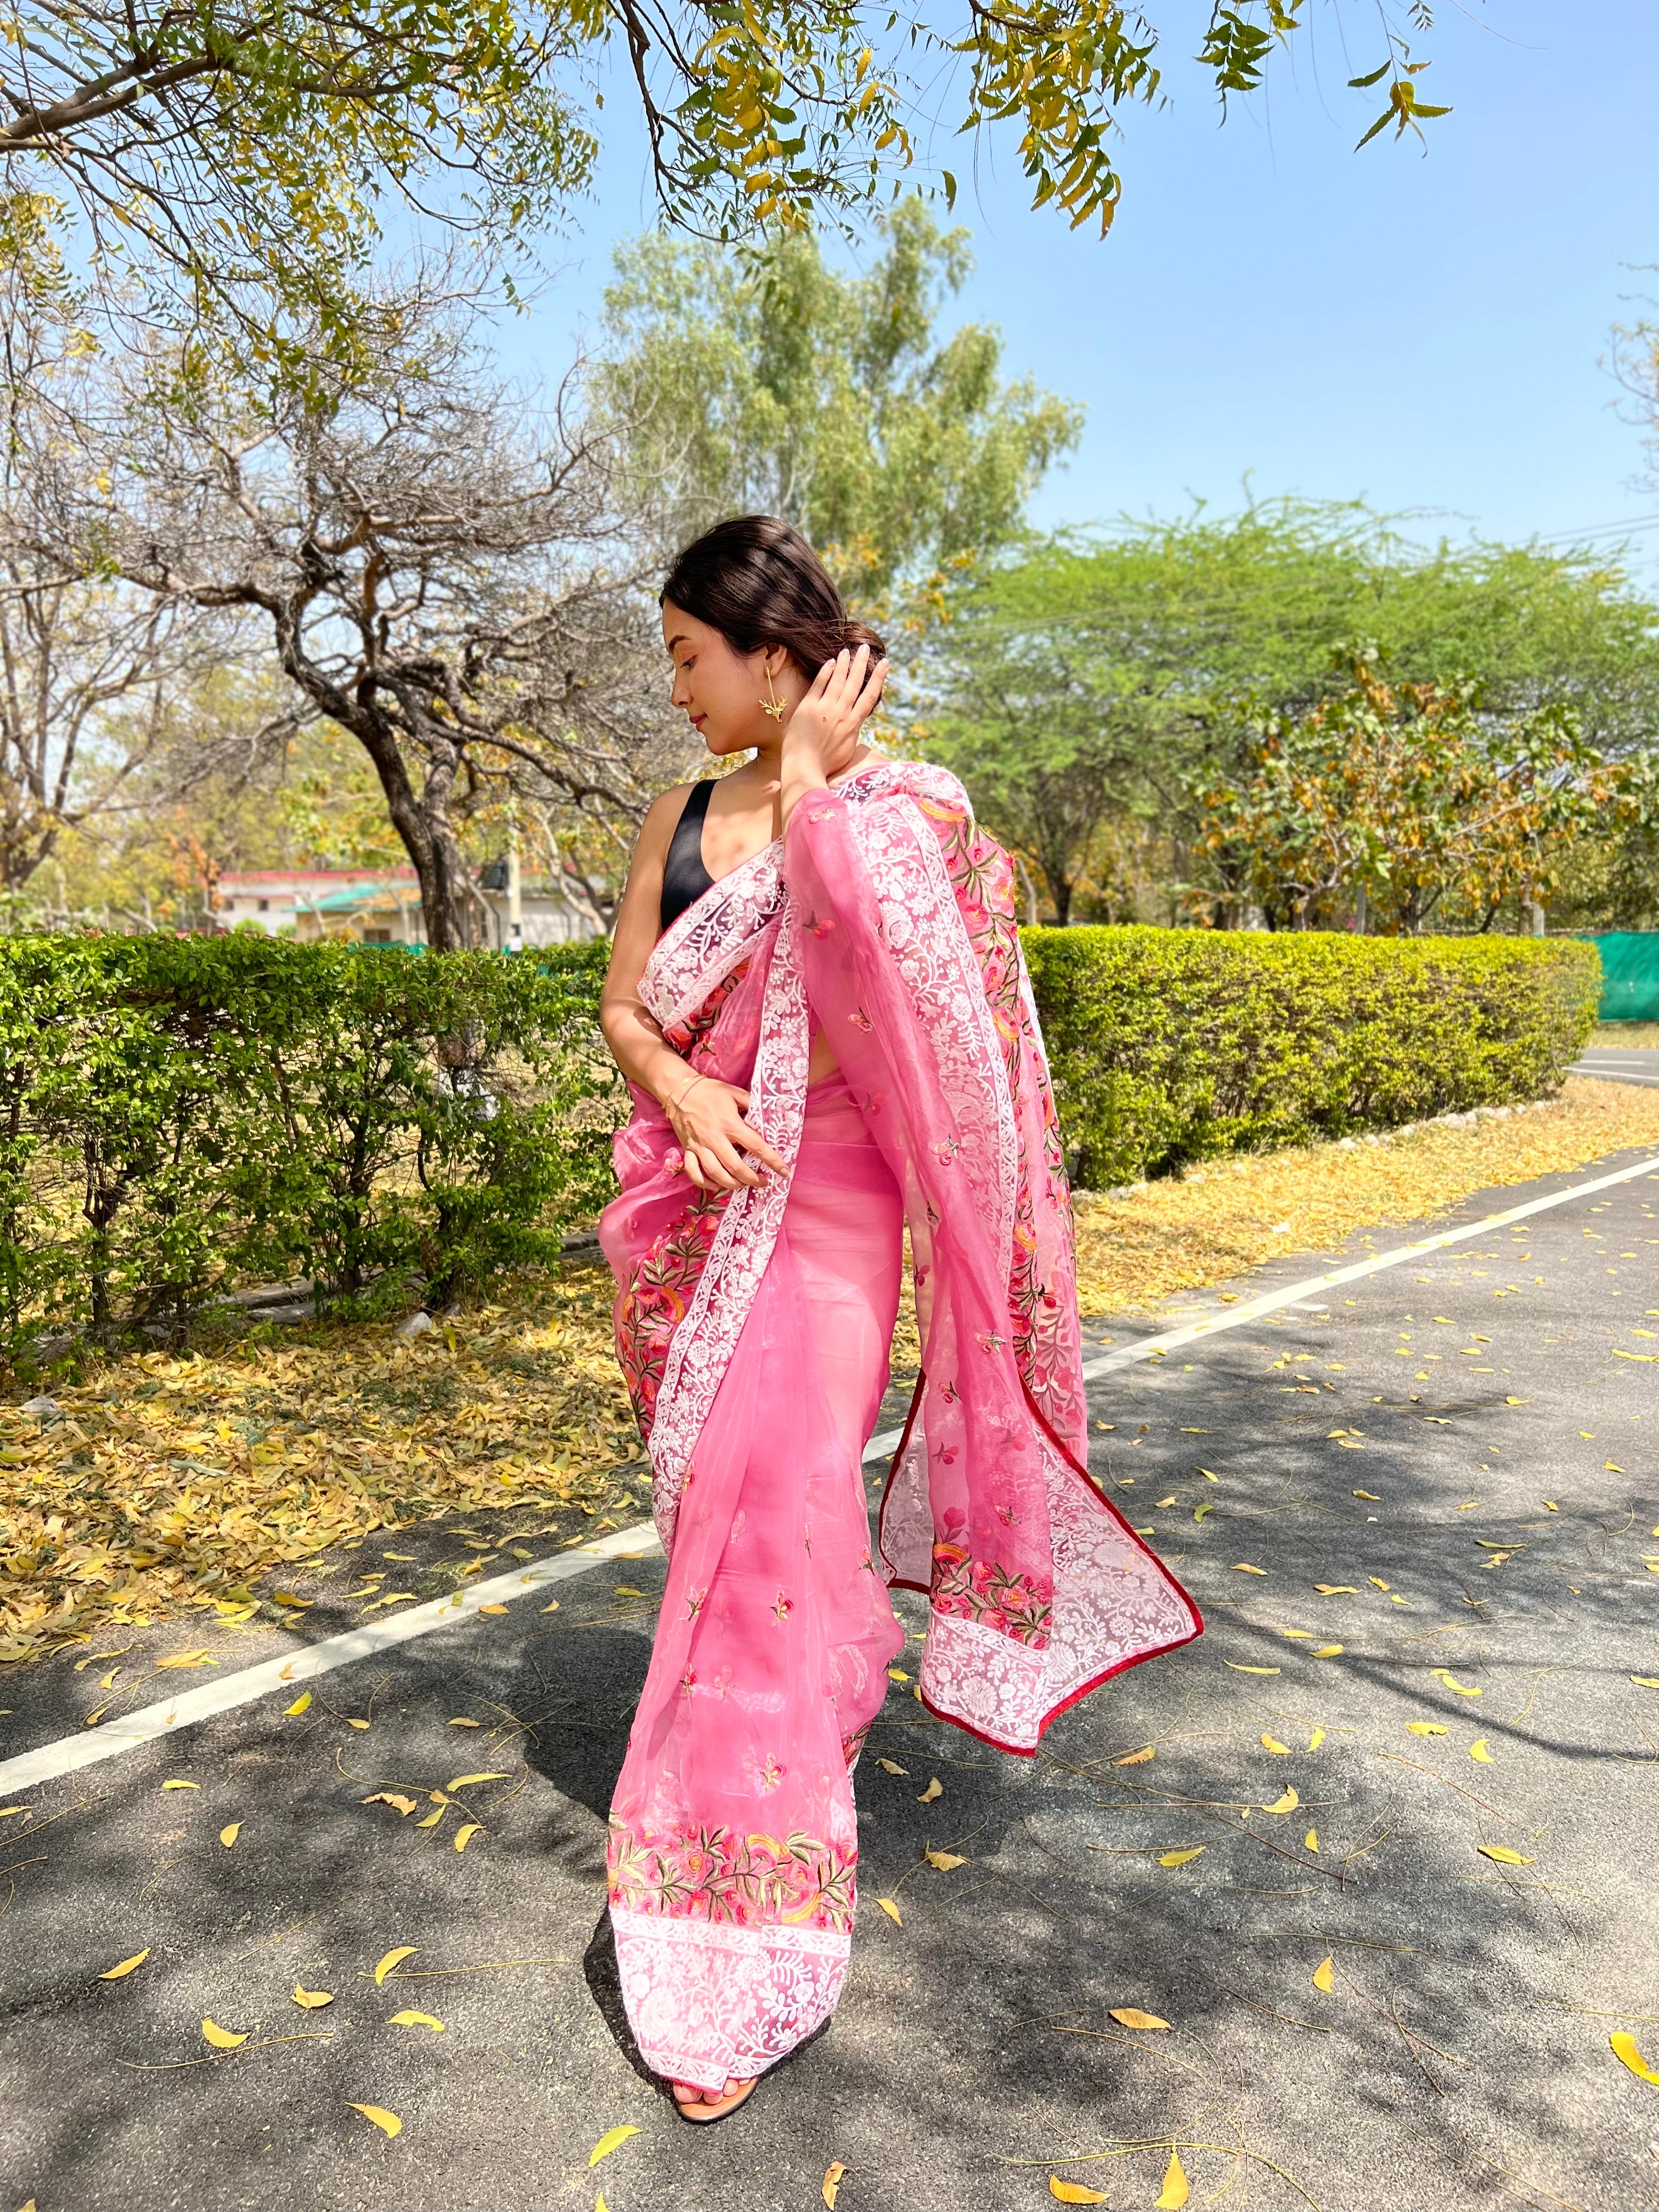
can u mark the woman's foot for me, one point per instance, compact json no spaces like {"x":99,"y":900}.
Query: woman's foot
{"x":702,"y":2105}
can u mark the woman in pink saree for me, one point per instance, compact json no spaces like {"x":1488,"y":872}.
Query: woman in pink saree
{"x":819,"y":998}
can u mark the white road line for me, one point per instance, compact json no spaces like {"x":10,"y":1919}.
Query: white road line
{"x":31,"y":1768}
{"x":1292,"y":1294}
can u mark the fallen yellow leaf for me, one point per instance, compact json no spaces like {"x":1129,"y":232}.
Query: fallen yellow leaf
{"x":425,"y":2020}
{"x":387,"y":2121}
{"x":1239,"y":1670}
{"x":832,"y":2174}
{"x":1243,"y":1567}
{"x":223,"y":2039}
{"x":1642,"y":1682}
{"x":897,"y":1674}
{"x":1477,"y":1750}
{"x":468,"y":1781}
{"x":1310,"y":1841}
{"x":463,"y":1836}
{"x":1132,"y":2016}
{"x":1369,"y":1497}
{"x":300,"y":1704}
{"x":351,"y":1723}
{"x":117,"y":1973}
{"x":461,"y":1720}
{"x":1322,"y":1975}
{"x":1149,"y":1751}
{"x":181,"y":1785}
{"x":1315,"y":1738}
{"x":312,"y":2000}
{"x":891,"y":1766}
{"x":393,"y":1797}
{"x":227,"y":1836}
{"x":1377,"y":1581}
{"x":931,"y":1794}
{"x":1502,"y":1854}
{"x":393,"y":1959}
{"x":1271,"y":1743}
{"x":1623,"y":2049}
{"x":1287,"y":1803}
{"x":1073,"y":2192}
{"x":1325,"y":1651}
{"x":1182,"y":1858}
{"x":492,"y":1608}
{"x":1459,"y":1689}
{"x":1336,"y":1589}
{"x":202,"y":1658}
{"x":1177,"y":2189}
{"x":1426,"y":1728}
{"x":943,"y":1861}
{"x":890,"y":1910}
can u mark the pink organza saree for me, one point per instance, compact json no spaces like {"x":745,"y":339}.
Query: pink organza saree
{"x":752,"y":1328}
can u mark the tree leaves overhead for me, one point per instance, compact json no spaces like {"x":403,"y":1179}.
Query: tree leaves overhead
{"x":182,"y":144}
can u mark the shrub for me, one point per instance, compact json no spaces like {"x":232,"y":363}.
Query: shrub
{"x":1171,"y":1045}
{"x":178,"y":1114}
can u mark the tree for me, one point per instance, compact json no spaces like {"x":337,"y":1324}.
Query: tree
{"x":185,"y":145}
{"x":455,"y":595}
{"x":768,"y":381}
{"x":1208,"y":623}
{"x":1400,"y":796}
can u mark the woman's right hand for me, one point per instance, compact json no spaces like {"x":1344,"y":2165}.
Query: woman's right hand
{"x":708,"y":1119}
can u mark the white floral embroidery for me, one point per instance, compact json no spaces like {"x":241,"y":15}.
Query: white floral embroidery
{"x":701,"y":946}
{"x":710,"y":2002}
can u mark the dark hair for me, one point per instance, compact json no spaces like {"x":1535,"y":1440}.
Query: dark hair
{"x":758,"y":582}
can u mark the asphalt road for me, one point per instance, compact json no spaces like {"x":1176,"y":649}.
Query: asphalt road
{"x":1615,"y":1065}
{"x":1465,"y":1449}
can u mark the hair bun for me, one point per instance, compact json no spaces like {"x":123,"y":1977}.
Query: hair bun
{"x":758,"y":582}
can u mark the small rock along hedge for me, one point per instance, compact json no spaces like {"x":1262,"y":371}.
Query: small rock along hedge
{"x":1173,"y":1045}
{"x":180,"y":1116}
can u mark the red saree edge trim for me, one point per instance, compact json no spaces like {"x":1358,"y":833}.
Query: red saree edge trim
{"x":1121,"y":1666}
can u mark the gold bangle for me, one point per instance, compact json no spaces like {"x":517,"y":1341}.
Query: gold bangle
{"x":674,"y":1103}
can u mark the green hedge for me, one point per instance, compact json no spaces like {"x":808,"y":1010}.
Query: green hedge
{"x":1171,"y":1045}
{"x":179,"y":1115}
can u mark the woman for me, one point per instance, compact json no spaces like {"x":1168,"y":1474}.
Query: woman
{"x":817,"y":997}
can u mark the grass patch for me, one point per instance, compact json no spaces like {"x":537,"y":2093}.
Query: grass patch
{"x":1627,"y":1035}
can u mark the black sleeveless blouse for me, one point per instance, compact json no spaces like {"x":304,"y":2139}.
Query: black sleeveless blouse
{"x":684,"y":879}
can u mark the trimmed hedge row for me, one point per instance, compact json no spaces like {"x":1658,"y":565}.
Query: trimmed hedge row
{"x":179,"y":1116}
{"x":1171,"y":1045}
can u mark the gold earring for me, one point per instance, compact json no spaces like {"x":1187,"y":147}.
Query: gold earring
{"x":771,"y":704}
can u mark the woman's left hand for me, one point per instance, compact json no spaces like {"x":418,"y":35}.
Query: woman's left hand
{"x":823,"y":732}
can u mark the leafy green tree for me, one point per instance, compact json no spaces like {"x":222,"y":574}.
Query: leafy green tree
{"x":243,"y":162}
{"x":766,"y":380}
{"x":1185,"y":634}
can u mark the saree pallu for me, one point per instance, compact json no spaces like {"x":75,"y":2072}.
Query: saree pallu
{"x":752,"y":1329}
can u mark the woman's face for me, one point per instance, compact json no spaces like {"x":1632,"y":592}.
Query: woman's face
{"x":724,"y":691}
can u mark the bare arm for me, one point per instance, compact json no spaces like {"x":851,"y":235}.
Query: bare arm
{"x":706,"y":1115}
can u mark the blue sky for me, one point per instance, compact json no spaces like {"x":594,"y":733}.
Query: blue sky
{"x":1426,"y":333}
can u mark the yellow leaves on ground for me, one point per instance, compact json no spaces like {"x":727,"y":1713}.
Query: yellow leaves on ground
{"x":393,"y":1959}
{"x":1132,"y":2016}
{"x":425,"y":2020}
{"x":181,"y":1481}
{"x":1377,"y":1582}
{"x":898,"y":1674}
{"x":1073,"y":2192}
{"x":1502,"y":1854}
{"x":611,"y":2140}
{"x":890,"y":1910}
{"x":228,"y":1835}
{"x":181,"y":1785}
{"x":1316,"y":1738}
{"x":1243,"y":1567}
{"x":1287,"y":1803}
{"x":312,"y":2000}
{"x":387,"y":2122}
{"x":832,"y":2181}
{"x":1238,"y":1669}
{"x":891,"y":1766}
{"x":119,"y":1973}
{"x":394,"y":1798}
{"x":1426,"y":1728}
{"x":627,"y":1590}
{"x":1138,"y":1758}
{"x":1177,"y":2189}
{"x":1271,"y":1743}
{"x":1323,"y":1975}
{"x":301,"y":1704}
{"x":1183,"y":1858}
{"x":461,"y":1720}
{"x":1459,"y":1689}
{"x":1646,"y":1681}
{"x":492,"y":1608}
{"x":932,"y":1793}
{"x":943,"y":1861}
{"x":1623,"y":2049}
{"x":1336,"y":1589}
{"x":1478,"y":1751}
{"x":1310,"y":1841}
{"x":463,"y":1836}
{"x":470,"y":1781}
{"x":1369,"y":1497}
{"x":223,"y":2039}
{"x":1325,"y":1651}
